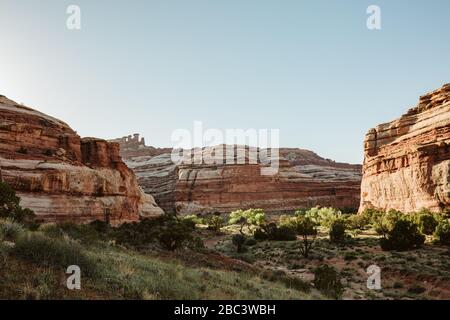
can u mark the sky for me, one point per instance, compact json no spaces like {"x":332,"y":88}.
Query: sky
{"x":311,"y":69}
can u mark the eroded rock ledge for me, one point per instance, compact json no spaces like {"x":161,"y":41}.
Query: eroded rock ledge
{"x":63,"y":177}
{"x":407,"y":161}
{"x":304,"y":180}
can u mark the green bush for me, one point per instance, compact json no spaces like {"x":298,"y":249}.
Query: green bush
{"x":9,"y":230}
{"x":272,"y":232}
{"x":194,"y":218}
{"x":328,"y":281}
{"x":384,"y":223}
{"x":321,"y":216}
{"x":426,"y":222}
{"x":215,"y":222}
{"x":403,"y":236}
{"x":10,"y":206}
{"x":238,"y":241}
{"x":307,"y":229}
{"x":174,"y":234}
{"x":169,"y":231}
{"x":35,"y":247}
{"x":442,"y":232}
{"x":247,"y":218}
{"x":260,"y":235}
{"x":359,"y":221}
{"x":337,"y":231}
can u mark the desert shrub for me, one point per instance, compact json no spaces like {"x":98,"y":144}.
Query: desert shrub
{"x":10,"y":230}
{"x":169,"y":231}
{"x":337,"y":231}
{"x":100,"y":226}
{"x":426,"y":222}
{"x":328,"y":281}
{"x":403,"y":236}
{"x":35,"y":247}
{"x":286,"y":221}
{"x":214,"y":222}
{"x":259,"y":234}
{"x":359,"y":221}
{"x":372,"y":216}
{"x":85,"y":233}
{"x":136,"y":234}
{"x":247,"y":218}
{"x":272,"y":232}
{"x":174,"y":234}
{"x":238,"y":241}
{"x":384,"y":223}
{"x":51,"y":230}
{"x":307,"y":229}
{"x":321,"y":216}
{"x":283,"y":233}
{"x":195,"y":219}
{"x":10,"y":206}
{"x":442,"y":232}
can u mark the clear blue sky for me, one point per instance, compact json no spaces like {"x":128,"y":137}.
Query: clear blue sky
{"x":310,"y":68}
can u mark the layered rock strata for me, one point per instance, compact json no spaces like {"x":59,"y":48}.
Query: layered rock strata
{"x":303,"y":180}
{"x":407,"y":161}
{"x":63,"y":177}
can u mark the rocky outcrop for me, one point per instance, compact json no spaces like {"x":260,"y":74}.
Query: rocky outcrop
{"x":407,"y":161}
{"x":303,"y":180}
{"x":63,"y":177}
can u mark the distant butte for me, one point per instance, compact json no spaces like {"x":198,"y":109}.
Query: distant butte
{"x":303,"y":181}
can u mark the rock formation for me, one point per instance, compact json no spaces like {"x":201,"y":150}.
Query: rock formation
{"x":407,"y":161}
{"x":62,"y":177}
{"x":304,"y":180}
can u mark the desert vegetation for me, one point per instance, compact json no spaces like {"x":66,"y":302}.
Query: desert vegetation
{"x":331,"y":251}
{"x":310,"y":254}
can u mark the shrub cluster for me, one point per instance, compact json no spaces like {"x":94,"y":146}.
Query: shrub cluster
{"x":37,"y":248}
{"x":10,"y":206}
{"x":169,"y":231}
{"x":328,"y":281}
{"x":247,"y":218}
{"x":442,"y":232}
{"x":403,"y":236}
{"x":273,"y":232}
{"x":321,"y":216}
{"x":337,"y":231}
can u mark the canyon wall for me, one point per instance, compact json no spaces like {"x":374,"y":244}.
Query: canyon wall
{"x":304,"y":180}
{"x":63,"y":177}
{"x":407,"y":161}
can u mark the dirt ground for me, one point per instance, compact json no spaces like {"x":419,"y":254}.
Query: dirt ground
{"x":419,"y":274}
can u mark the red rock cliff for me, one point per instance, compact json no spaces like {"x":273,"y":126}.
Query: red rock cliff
{"x":62,"y":177}
{"x":304,"y":180}
{"x":407,"y":161}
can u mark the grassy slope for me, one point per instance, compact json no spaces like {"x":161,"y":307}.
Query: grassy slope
{"x":127,"y":274}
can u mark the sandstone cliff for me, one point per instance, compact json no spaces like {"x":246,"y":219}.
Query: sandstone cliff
{"x":62,"y":177}
{"x":304,"y":180}
{"x":407,"y":161}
